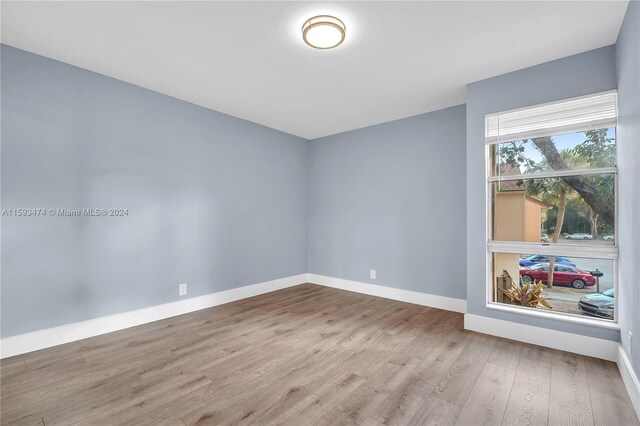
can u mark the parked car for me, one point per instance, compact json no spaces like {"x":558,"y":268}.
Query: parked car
{"x":538,"y":258}
{"x":562,"y":275}
{"x":608,"y":238}
{"x":579,"y":236}
{"x":598,"y":304}
{"x":544,"y":238}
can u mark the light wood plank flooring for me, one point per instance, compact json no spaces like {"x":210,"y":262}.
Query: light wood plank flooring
{"x":309,"y":355}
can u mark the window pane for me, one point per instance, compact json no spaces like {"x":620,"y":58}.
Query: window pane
{"x":574,"y":151}
{"x":580,"y":286}
{"x":567,"y":210}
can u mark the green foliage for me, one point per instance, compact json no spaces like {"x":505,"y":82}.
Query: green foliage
{"x":513,"y":153}
{"x":529,"y":295}
{"x":597,"y":150}
{"x":576,"y":219}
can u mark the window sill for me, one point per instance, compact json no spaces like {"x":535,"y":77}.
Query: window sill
{"x":575,"y":319}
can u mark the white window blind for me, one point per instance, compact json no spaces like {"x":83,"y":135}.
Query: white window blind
{"x":568,"y":116}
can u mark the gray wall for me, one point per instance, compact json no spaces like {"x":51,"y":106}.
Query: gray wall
{"x":214,"y":201}
{"x":628,"y":66}
{"x":219,"y":202}
{"x":391,"y":198}
{"x":576,"y":75}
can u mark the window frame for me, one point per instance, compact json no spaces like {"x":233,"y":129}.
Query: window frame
{"x":550,"y":249}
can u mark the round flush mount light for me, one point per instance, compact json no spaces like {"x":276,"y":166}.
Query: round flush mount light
{"x":323,"y":32}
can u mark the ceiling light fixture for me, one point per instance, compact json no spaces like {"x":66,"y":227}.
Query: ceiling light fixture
{"x":323,"y":32}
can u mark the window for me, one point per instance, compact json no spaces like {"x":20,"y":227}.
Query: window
{"x":552,"y":208}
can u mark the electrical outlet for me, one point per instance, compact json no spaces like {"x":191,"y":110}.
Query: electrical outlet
{"x":630,"y":346}
{"x":372,"y":274}
{"x":182,"y":289}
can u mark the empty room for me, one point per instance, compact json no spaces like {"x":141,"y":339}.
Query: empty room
{"x":320,"y":213}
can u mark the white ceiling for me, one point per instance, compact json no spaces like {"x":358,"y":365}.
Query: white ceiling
{"x":247,"y":59}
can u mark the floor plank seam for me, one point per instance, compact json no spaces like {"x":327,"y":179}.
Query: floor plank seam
{"x":301,"y":355}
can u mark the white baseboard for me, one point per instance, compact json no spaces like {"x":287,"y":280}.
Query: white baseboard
{"x":630,"y":378}
{"x":16,"y":345}
{"x":425,"y":299}
{"x":576,"y":343}
{"x":41,"y":339}
{"x":584,"y":345}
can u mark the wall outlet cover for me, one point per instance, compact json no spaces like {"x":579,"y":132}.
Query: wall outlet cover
{"x":372,"y":274}
{"x":182,"y":289}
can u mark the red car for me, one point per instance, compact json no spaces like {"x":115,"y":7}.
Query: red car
{"x":562,"y":275}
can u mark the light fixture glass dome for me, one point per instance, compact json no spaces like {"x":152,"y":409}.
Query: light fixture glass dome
{"x":323,"y":32}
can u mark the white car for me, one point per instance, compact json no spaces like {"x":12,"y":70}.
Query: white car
{"x":579,"y":236}
{"x":608,"y":238}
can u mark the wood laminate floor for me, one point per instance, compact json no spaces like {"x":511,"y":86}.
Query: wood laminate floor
{"x":309,"y":355}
